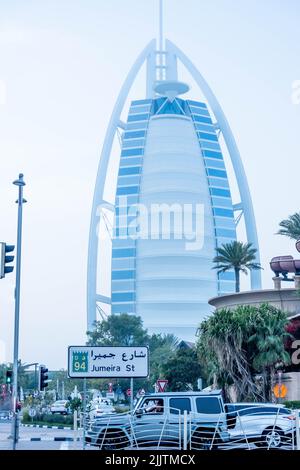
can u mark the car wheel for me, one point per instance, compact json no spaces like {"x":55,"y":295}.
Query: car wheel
{"x":205,"y":439}
{"x":272,"y":438}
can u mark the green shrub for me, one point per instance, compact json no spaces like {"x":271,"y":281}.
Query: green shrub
{"x":293,"y":404}
{"x":43,"y":418}
{"x":25,"y":417}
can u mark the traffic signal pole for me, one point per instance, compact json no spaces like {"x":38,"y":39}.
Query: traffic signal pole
{"x":15,"y":423}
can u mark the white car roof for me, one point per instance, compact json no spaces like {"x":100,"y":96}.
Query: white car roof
{"x":275,"y":405}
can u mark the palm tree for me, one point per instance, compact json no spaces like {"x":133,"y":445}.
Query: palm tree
{"x":291,"y":226}
{"x":235,"y":344}
{"x":237,"y":256}
{"x":222,"y":349}
{"x":269,"y":340}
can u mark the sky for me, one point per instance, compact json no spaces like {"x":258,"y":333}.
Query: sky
{"x":62,"y":64}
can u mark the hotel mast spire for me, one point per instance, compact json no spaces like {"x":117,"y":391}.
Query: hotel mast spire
{"x":160,"y":41}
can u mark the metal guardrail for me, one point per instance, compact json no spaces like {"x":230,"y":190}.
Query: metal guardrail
{"x":179,"y":430}
{"x":249,"y":430}
{"x":126,"y":430}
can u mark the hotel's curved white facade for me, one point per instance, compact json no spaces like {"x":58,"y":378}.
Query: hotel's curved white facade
{"x":172,"y":282}
{"x":171,"y":160}
{"x":162,"y":261}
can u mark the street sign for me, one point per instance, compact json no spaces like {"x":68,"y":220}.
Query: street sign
{"x":128,"y":392}
{"x":280,"y":390}
{"x":162,"y":385}
{"x":32,"y":412}
{"x":109,"y":362}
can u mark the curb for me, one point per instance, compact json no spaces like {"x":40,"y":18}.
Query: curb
{"x":53,"y":439}
{"x":49,"y":439}
{"x":45,"y":426}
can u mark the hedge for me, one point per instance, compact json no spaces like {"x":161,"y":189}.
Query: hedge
{"x":43,"y":418}
{"x":293,"y":404}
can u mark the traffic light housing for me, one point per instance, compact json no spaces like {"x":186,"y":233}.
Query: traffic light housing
{"x":43,"y":378}
{"x":9,"y":374}
{"x":5,"y":259}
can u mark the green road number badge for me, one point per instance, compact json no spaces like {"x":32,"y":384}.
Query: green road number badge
{"x":80,"y":361}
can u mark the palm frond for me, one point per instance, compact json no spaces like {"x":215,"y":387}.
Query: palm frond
{"x":290,"y":227}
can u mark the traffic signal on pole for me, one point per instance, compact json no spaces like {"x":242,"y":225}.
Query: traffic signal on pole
{"x":9,"y":377}
{"x":5,"y":259}
{"x":43,"y":378}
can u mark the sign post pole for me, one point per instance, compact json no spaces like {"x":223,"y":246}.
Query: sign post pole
{"x":280,"y":384}
{"x":75,"y":423}
{"x":131,"y":394}
{"x":84,"y":412}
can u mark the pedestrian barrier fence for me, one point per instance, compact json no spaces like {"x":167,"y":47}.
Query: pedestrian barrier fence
{"x":247,"y":428}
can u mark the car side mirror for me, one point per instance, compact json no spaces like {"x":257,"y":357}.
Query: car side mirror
{"x":139,"y":413}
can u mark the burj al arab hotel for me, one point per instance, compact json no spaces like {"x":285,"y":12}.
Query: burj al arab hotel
{"x":172,"y":203}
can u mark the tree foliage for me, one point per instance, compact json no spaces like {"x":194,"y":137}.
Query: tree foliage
{"x":237,"y":256}
{"x":290,"y":227}
{"x":123,"y":329}
{"x":235,"y":345}
{"x":182,"y":370}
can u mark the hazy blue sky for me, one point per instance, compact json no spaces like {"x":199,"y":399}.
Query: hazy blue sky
{"x":62,"y":64}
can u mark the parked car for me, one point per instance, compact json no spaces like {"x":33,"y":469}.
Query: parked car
{"x":5,"y":415}
{"x":264,"y":424}
{"x":101,"y":407}
{"x":157,"y":419}
{"x":60,"y":407}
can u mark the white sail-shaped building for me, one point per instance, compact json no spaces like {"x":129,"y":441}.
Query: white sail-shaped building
{"x":173,"y":204}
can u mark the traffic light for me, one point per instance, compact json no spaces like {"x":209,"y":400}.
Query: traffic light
{"x":43,"y":378}
{"x":5,"y":260}
{"x":9,"y":377}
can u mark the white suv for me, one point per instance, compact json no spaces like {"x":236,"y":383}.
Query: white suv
{"x":264,"y":424}
{"x":158,"y":419}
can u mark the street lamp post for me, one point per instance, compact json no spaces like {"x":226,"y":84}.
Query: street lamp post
{"x":15,"y":424}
